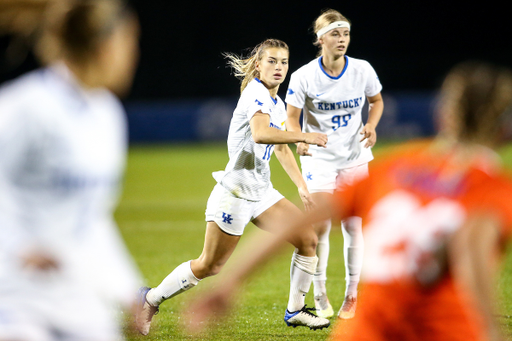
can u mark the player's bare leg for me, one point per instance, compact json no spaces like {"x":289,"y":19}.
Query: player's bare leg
{"x":322,"y":229}
{"x":303,"y":264}
{"x":218,"y":247}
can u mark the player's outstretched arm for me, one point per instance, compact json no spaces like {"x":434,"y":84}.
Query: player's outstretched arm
{"x":286,"y":158}
{"x":263,"y":133}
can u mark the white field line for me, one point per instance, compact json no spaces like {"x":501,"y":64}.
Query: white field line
{"x":151,"y":225}
{"x":134,"y":204}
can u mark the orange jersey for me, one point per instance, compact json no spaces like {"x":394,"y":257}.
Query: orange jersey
{"x":410,"y":203}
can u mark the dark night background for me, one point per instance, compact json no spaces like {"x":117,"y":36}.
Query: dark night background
{"x":411,"y":44}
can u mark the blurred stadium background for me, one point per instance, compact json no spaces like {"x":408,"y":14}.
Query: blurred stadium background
{"x":183,"y":91}
{"x":183,"y":97}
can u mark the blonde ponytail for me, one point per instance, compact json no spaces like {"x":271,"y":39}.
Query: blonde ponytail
{"x":245,"y":68}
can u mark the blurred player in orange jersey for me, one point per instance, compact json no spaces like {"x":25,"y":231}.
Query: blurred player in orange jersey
{"x":436,"y":216}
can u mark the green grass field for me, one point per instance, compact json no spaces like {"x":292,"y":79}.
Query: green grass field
{"x":161,"y":216}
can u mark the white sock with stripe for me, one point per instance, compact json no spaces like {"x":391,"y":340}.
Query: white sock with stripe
{"x":179,"y":280}
{"x":301,"y":275}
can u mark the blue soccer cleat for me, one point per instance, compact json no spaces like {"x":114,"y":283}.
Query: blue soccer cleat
{"x":305,"y":317}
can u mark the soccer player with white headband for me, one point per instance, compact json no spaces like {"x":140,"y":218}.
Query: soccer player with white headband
{"x":331,"y":91}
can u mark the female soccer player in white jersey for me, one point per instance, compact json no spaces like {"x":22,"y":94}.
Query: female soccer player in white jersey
{"x":331,"y":91}
{"x":244,"y":192}
{"x":63,"y":265}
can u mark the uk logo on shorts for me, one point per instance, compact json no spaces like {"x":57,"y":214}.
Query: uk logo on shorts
{"x":227,"y":218}
{"x":309,"y":176}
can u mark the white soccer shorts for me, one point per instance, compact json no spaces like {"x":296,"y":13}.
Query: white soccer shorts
{"x":320,"y":177}
{"x":232,"y":214}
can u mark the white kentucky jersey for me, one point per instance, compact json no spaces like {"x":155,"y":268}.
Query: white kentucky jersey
{"x":62,"y":157}
{"x":333,"y":105}
{"x":247,"y":174}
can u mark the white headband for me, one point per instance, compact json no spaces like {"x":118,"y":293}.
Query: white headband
{"x":332,"y":26}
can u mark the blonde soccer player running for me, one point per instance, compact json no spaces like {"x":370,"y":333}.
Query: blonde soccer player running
{"x":244,"y":193}
{"x":331,"y":91}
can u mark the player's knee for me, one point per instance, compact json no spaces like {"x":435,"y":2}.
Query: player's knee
{"x":309,"y":241}
{"x":353,"y":226}
{"x":313,"y":241}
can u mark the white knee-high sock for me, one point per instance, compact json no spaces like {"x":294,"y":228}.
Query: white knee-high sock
{"x":301,"y":275}
{"x":179,"y":280}
{"x":322,"y":251}
{"x":353,"y":250}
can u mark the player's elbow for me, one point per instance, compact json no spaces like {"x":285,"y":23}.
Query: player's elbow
{"x":260,"y":137}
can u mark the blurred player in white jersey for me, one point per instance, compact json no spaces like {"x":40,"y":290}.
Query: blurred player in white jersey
{"x":64,"y":269}
{"x":330,"y":91}
{"x":244,"y":192}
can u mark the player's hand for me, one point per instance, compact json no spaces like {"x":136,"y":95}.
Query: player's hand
{"x":303,"y":149}
{"x":306,"y":198}
{"x":369,"y":134}
{"x":207,"y":308}
{"x":318,"y":139}
{"x":40,"y":261}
